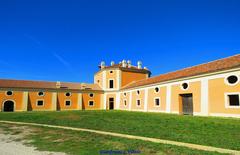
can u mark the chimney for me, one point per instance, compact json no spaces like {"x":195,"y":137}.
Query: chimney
{"x":124,"y":63}
{"x":102,"y":64}
{"x":112,"y":63}
{"x":58,"y":84}
{"x":139,"y":63}
{"x":129,"y":64}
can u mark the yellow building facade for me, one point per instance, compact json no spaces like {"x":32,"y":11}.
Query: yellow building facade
{"x":210,"y":89}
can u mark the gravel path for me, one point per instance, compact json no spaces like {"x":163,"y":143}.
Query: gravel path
{"x":10,"y":147}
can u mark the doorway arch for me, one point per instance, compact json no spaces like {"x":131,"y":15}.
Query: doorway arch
{"x":8,"y":106}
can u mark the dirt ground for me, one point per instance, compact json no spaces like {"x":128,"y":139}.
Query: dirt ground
{"x":10,"y":145}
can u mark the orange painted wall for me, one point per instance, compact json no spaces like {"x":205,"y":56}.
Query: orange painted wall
{"x":151,"y":99}
{"x":112,"y":76}
{"x":128,"y":77}
{"x":217,"y":98}
{"x":96,"y":98}
{"x":62,"y":98}
{"x":135,"y":97}
{"x":194,"y":88}
{"x":17,"y":97}
{"x":32,"y":101}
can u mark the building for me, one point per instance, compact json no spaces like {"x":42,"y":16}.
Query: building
{"x":210,"y":89}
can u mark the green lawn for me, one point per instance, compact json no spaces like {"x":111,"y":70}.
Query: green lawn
{"x":218,"y":132}
{"x":84,"y":143}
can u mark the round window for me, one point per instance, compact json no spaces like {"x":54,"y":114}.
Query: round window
{"x":9,"y":93}
{"x":40,"y":93}
{"x":184,"y":85}
{"x":156,"y":89}
{"x":138,"y":92}
{"x":111,"y":71}
{"x":91,"y":95}
{"x":68,"y":94}
{"x":232,"y":79}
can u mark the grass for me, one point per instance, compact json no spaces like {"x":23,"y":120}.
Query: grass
{"x":76,"y":143}
{"x":211,"y":131}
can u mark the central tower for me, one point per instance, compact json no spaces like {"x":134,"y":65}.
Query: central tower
{"x":114,"y":77}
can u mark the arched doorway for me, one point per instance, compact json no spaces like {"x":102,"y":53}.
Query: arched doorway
{"x":8,"y":106}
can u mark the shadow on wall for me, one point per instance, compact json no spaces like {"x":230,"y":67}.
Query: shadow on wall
{"x":29,"y":105}
{"x":58,"y":105}
{"x":83,"y":104}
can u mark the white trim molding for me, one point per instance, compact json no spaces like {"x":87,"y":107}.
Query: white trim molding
{"x":226,"y":98}
{"x":118,"y":101}
{"x":225,"y":115}
{"x":66,"y":101}
{"x":168,"y":99}
{"x":130,"y":101}
{"x":105,"y":101}
{"x":104,"y":80}
{"x":40,"y":105}
{"x":25,"y":101}
{"x":79,"y":101}
{"x":54,"y":101}
{"x":204,"y":97}
{"x":146,"y":100}
{"x":89,"y":103}
{"x":14,"y":104}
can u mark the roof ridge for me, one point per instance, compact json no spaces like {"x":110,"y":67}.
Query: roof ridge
{"x":204,"y":63}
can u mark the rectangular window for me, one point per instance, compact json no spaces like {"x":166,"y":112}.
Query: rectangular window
{"x":90,"y":103}
{"x":67,"y":103}
{"x":233,"y":100}
{"x":40,"y":103}
{"x":111,"y":85}
{"x":157,"y":102}
{"x":138,"y":103}
{"x":125,"y":103}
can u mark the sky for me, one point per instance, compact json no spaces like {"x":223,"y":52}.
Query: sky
{"x":66,"y":40}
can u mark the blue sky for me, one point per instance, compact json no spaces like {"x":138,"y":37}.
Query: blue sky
{"x":66,"y":40}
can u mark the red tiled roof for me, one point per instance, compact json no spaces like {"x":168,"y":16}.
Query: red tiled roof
{"x":218,"y":65}
{"x":4,"y":83}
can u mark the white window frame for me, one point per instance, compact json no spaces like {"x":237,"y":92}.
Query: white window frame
{"x":69,"y":93}
{"x":67,"y":105}
{"x":154,"y":101}
{"x":109,"y":83}
{"x":181,"y":85}
{"x":41,"y":95}
{"x":137,"y":103}
{"x":8,"y":91}
{"x":137,"y":92}
{"x":158,"y":90}
{"x":227,"y":104}
{"x":89,"y":103}
{"x":229,"y":84}
{"x":124,"y":103}
{"x":90,"y":96}
{"x":38,"y":101}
